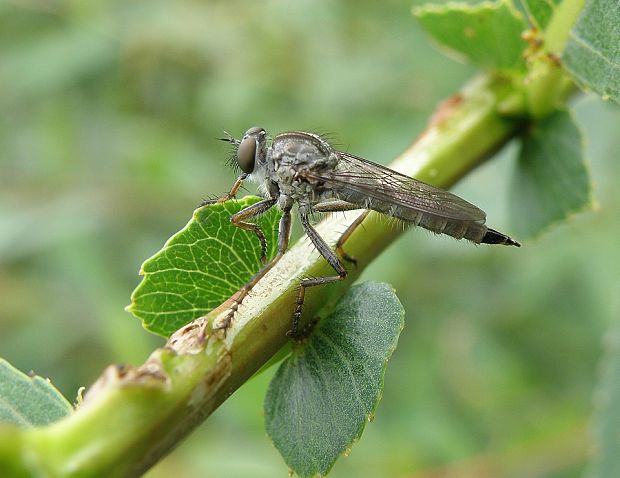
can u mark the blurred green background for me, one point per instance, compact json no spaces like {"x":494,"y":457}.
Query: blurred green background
{"x":109,"y":114}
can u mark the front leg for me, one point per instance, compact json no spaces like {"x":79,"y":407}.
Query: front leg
{"x":331,"y":258}
{"x":254,"y":210}
{"x":229,"y":195}
{"x":284,"y":234}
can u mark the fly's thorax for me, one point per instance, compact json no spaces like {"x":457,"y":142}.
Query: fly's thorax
{"x":292,"y":184}
{"x":300,"y":150}
{"x":291,"y":155}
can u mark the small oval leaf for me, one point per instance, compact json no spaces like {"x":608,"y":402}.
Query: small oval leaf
{"x":551,"y":180}
{"x":29,"y":401}
{"x":323,"y":395}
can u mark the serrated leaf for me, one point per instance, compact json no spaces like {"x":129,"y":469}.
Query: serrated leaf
{"x":323,"y":394}
{"x":200,"y":266}
{"x":551,"y":180}
{"x":540,"y":11}
{"x":606,"y":456}
{"x":592,"y":54}
{"x":29,"y":401}
{"x":487,"y":34}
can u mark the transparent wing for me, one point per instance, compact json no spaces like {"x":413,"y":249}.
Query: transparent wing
{"x":355,"y":178}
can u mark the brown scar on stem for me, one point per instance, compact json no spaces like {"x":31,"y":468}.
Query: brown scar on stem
{"x":150,"y":373}
{"x":445,"y":110}
{"x":535,"y":42}
{"x":554,"y":59}
{"x":186,"y":338}
{"x":192,"y":338}
{"x":533,"y":37}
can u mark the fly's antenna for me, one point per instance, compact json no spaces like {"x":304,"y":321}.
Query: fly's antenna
{"x":230,"y":139}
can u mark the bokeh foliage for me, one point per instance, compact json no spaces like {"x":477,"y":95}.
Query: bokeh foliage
{"x":107,"y":144}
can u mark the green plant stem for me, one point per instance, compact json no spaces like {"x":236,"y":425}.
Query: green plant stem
{"x":548,"y":85}
{"x":559,"y":27}
{"x":131,"y":417}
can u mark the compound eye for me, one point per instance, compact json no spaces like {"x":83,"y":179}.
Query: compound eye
{"x":246,"y":154}
{"x":255,"y":131}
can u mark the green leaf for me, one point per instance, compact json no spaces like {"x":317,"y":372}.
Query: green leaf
{"x":200,"y":266}
{"x":487,"y":34}
{"x":606,"y":456}
{"x":29,"y":401}
{"x":551,"y":180}
{"x":540,"y":11}
{"x":322,"y":395}
{"x":592,"y":54}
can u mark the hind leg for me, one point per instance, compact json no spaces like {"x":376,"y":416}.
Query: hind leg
{"x":329,"y":256}
{"x":339,"y":206}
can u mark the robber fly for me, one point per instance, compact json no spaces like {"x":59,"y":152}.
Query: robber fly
{"x":303,"y":168}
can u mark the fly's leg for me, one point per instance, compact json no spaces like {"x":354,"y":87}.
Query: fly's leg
{"x":337,"y":206}
{"x":284,"y":234}
{"x":331,"y":258}
{"x":354,"y":225}
{"x":254,"y":210}
{"x":229,"y":195}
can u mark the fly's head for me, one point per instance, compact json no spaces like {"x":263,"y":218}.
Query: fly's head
{"x":249,"y":152}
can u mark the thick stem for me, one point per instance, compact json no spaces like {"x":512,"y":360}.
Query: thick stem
{"x":548,"y":85}
{"x":132,"y":417}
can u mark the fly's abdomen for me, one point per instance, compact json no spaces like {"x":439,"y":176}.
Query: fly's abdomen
{"x":458,"y":229}
{"x":474,"y":231}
